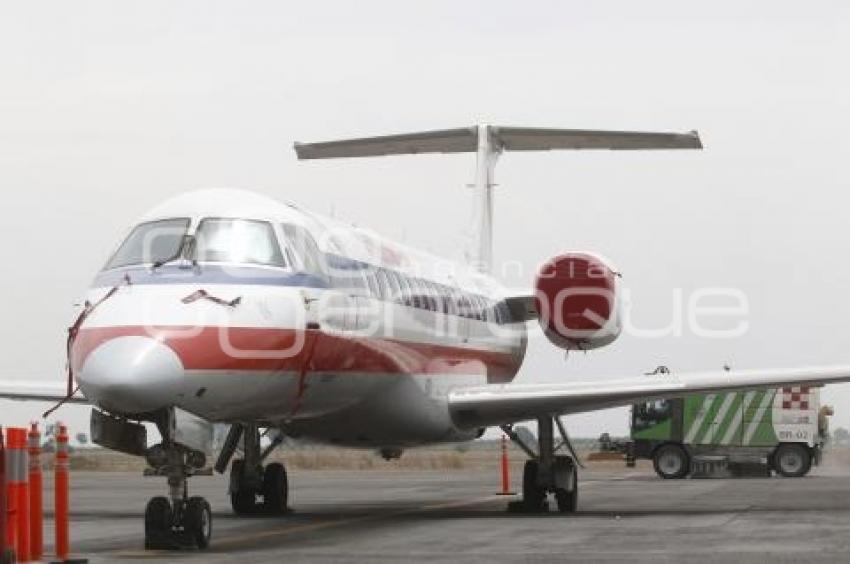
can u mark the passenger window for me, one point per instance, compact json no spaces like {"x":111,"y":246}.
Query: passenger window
{"x":475,"y":305}
{"x":372,"y":281}
{"x":394,"y":285}
{"x":440,"y":296}
{"x":427,"y":299}
{"x":416,"y":290}
{"x":406,"y":291}
{"x":356,"y":279}
{"x":503,"y":314}
{"x":383,"y":284}
{"x":487,"y":314}
{"x":481,"y":307}
{"x":433,"y":297}
{"x":464,"y":306}
{"x":453,"y":299}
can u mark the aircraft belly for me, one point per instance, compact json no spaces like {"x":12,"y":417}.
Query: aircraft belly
{"x":398,"y":409}
{"x":220,"y":395}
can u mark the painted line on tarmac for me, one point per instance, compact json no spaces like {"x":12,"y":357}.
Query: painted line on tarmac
{"x":233,"y":541}
{"x":242,"y":539}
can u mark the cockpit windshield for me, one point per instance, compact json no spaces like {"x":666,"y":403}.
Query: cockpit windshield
{"x":237,"y":241}
{"x":151,"y":242}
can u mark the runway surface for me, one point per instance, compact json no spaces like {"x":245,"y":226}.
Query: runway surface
{"x":427,"y":516}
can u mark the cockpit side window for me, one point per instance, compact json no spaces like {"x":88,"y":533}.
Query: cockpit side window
{"x":151,"y":242}
{"x":304,"y":246}
{"x":241,"y":241}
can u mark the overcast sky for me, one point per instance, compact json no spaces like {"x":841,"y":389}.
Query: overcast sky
{"x":108,"y":108}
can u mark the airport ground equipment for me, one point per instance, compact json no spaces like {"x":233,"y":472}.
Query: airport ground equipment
{"x":17,"y":490}
{"x":505,"y":467}
{"x":778,"y":429}
{"x":62,"y":500}
{"x":35,"y":493}
{"x":7,"y":554}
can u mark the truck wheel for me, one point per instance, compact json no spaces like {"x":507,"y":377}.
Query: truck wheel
{"x":792,"y":460}
{"x":671,"y":462}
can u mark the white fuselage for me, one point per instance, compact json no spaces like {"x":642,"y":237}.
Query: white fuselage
{"x":341,"y":335}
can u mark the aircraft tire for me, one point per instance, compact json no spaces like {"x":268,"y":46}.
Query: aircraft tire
{"x":158,"y":520}
{"x":275,"y":489}
{"x":533,"y":495}
{"x":566,"y":499}
{"x":197,"y":521}
{"x":242,"y":500}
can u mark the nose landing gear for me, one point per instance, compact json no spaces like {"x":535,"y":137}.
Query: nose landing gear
{"x":177,"y":521}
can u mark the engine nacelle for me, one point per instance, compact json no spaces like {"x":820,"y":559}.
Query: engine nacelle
{"x":577,"y":297}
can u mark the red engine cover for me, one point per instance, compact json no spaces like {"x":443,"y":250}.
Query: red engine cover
{"x":575,"y":296}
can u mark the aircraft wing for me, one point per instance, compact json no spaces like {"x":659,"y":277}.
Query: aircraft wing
{"x":38,"y":391}
{"x":486,"y":406}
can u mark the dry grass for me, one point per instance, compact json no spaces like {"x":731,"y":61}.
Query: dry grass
{"x":478,"y":455}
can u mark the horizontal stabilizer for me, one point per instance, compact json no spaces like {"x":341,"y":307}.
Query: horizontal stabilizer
{"x":461,"y":140}
{"x":465,"y":140}
{"x":540,"y":139}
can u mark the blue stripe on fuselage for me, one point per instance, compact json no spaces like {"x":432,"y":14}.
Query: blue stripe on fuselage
{"x":208,"y":274}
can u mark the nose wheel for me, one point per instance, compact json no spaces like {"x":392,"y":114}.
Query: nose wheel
{"x":177,"y":521}
{"x":186,"y":524}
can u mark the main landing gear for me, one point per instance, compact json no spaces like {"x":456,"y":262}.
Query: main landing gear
{"x":547,"y":472}
{"x":254,"y":489}
{"x":177,"y":521}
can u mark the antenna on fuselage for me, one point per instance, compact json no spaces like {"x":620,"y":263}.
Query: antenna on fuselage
{"x":488,"y":142}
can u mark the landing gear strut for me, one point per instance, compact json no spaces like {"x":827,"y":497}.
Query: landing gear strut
{"x":176,"y":521}
{"x":547,"y":472}
{"x":254,"y":488}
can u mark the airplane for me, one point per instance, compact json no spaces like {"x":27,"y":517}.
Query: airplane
{"x":225,"y":306}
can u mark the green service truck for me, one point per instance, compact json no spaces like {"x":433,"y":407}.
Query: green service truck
{"x":783,"y":430}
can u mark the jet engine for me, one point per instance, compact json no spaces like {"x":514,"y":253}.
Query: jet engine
{"x":577,"y":301}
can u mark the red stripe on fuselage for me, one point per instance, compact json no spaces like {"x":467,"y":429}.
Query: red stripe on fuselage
{"x":281,"y":350}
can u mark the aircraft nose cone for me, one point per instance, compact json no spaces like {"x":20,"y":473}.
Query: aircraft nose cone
{"x":131,"y":375}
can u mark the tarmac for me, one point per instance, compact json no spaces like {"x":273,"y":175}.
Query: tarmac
{"x":454,"y":516}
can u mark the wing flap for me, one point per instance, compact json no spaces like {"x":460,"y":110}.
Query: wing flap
{"x":486,"y":406}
